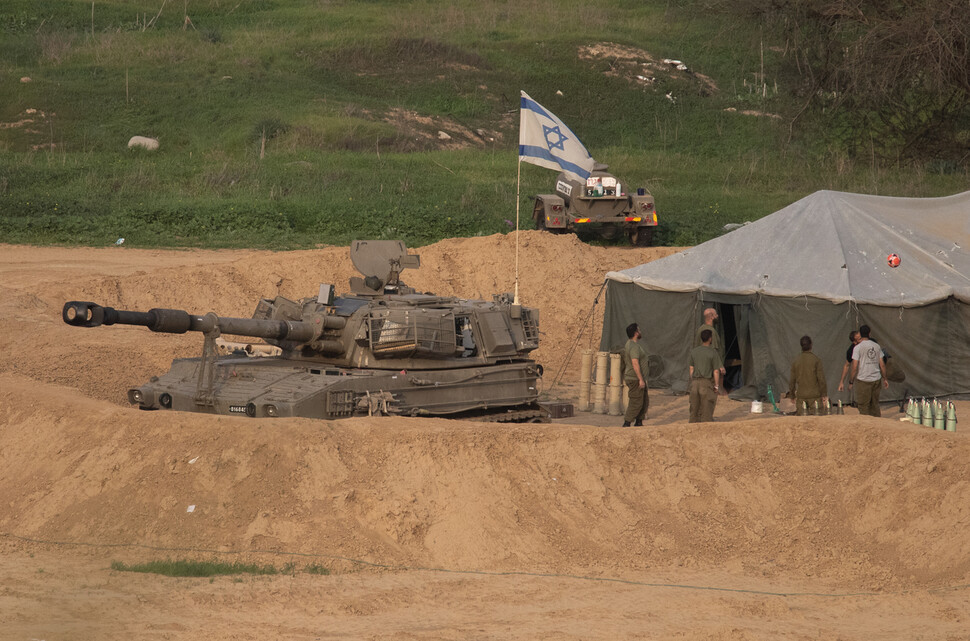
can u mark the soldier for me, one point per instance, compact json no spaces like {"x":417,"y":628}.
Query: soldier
{"x":710,"y":316}
{"x":868,"y":371}
{"x":854,"y":339}
{"x":635,"y":377}
{"x":705,"y":375}
{"x":807,"y":382}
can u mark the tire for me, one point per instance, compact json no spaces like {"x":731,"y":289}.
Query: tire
{"x":539,"y":216}
{"x":641,"y":236}
{"x":610,"y":231}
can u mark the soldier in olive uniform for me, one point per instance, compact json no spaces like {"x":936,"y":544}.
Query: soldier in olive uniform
{"x":807,"y":382}
{"x":635,"y":377}
{"x":710,"y":316}
{"x":705,"y":375}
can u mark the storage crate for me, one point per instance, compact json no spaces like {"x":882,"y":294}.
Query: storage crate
{"x":558,"y":410}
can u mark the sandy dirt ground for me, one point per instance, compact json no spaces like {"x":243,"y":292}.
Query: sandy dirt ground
{"x":752,"y":527}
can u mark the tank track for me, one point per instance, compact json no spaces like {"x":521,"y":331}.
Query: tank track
{"x":528,"y":415}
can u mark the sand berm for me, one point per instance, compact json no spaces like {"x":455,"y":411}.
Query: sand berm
{"x":451,"y":528}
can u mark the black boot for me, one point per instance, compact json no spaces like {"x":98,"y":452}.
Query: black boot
{"x":637,"y":423}
{"x":626,"y":424}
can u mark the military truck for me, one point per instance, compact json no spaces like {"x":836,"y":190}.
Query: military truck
{"x":382,"y":349}
{"x":599,"y":206}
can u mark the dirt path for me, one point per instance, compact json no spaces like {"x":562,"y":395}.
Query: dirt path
{"x":748,"y":528}
{"x":63,"y":595}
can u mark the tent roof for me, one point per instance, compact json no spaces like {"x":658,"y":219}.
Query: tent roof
{"x":831,"y":245}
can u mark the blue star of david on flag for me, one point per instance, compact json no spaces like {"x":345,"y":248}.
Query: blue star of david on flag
{"x":546,"y":141}
{"x":560,"y":139}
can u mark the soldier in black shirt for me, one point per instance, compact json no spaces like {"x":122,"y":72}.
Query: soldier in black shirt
{"x":854,"y":339}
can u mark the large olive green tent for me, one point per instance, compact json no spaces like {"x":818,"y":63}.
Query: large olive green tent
{"x":817,"y":267}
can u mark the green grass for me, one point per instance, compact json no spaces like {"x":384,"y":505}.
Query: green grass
{"x":186,"y":568}
{"x":277,"y":127}
{"x":315,"y":568}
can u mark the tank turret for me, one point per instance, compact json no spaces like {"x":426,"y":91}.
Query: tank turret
{"x":381,"y":349}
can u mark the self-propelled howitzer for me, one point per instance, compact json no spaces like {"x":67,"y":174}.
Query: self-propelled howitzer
{"x":381,"y":349}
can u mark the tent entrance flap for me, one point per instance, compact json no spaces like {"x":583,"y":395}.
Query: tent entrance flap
{"x":733,"y":362}
{"x":733,"y":328}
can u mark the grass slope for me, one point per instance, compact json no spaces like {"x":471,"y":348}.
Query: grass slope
{"x":296,"y":123}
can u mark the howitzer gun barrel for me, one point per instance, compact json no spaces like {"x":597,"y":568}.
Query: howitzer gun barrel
{"x":176,"y":321}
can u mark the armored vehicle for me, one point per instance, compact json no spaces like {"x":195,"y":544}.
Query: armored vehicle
{"x":382,"y":349}
{"x":598,"y":206}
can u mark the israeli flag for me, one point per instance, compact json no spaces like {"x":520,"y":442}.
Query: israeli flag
{"x":546,"y":141}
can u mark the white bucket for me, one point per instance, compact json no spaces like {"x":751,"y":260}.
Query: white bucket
{"x":757,"y":407}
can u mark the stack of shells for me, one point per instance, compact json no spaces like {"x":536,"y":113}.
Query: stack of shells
{"x":601,"y":387}
{"x":821,"y":409}
{"x":932,"y":413}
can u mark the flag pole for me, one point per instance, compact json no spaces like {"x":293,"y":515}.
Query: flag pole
{"x":518,"y":185}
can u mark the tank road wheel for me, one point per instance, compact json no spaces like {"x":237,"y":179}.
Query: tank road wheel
{"x":641,"y":236}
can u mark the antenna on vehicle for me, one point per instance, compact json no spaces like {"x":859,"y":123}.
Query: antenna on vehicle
{"x":518,"y":186}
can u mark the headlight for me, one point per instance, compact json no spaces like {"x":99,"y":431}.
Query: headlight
{"x":271,"y":410}
{"x":165,"y":400}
